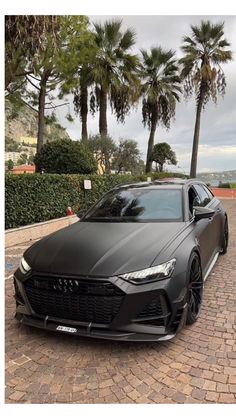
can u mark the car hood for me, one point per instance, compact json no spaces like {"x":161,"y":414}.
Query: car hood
{"x":102,"y":249}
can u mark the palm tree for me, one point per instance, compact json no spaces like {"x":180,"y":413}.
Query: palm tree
{"x":204,"y":51}
{"x":81,"y":98}
{"x":161,"y":89}
{"x":115,"y":71}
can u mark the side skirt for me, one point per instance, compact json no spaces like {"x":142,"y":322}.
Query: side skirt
{"x":211,"y":266}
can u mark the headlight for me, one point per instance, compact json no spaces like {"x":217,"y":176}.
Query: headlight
{"x":24,"y":267}
{"x":155,"y":273}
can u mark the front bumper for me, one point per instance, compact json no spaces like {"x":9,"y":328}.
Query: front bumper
{"x":136,"y":319}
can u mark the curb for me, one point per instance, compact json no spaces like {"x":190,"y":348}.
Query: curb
{"x":30,"y":232}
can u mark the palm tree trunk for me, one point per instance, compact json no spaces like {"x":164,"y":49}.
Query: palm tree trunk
{"x":151,"y":140}
{"x":103,"y":112}
{"x":84,"y":113}
{"x":107,"y":163}
{"x":193,"y":169}
{"x":41,"y":110}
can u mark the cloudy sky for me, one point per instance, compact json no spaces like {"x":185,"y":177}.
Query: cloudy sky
{"x":217,"y":149}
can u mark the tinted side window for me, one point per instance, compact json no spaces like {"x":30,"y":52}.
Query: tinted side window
{"x":208,"y":191}
{"x":204,"y":196}
{"x":192,"y":195}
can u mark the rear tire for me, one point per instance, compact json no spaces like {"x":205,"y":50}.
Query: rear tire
{"x":225,"y":239}
{"x":194,"y":289}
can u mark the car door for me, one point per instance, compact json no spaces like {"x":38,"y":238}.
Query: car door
{"x":211,"y":226}
{"x":218,"y":219}
{"x":202,"y":228}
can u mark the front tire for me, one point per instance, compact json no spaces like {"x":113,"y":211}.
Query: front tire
{"x":194,"y":289}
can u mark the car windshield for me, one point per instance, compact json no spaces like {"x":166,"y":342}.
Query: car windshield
{"x":138,"y":205}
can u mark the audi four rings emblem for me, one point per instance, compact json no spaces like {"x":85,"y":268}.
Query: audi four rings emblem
{"x":66,"y":285}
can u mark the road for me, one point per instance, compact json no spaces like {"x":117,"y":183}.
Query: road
{"x":198,"y":366}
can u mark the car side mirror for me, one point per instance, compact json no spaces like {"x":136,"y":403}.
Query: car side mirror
{"x":201,"y":212}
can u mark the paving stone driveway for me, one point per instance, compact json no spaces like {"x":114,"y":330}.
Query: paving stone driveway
{"x":198,"y":366}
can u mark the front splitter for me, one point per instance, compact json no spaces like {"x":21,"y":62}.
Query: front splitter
{"x":91,"y":332}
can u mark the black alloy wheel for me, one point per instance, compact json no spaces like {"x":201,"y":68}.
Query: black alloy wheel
{"x":195,"y":289}
{"x":225,"y":240}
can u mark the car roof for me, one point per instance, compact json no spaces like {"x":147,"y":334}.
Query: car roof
{"x":168,"y":183}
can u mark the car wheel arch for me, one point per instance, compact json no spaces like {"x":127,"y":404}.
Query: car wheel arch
{"x":195,"y":250}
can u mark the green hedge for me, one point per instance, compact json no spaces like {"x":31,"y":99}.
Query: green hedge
{"x":31,"y":198}
{"x":224,"y":185}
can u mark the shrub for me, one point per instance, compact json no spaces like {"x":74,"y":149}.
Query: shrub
{"x":31,"y":198}
{"x":65,"y":156}
{"x":224,"y":185}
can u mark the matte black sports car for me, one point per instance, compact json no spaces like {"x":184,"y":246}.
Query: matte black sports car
{"x":133,"y":268}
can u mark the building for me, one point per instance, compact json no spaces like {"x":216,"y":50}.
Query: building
{"x":28,"y":140}
{"x":15,"y":155}
{"x":12,"y":155}
{"x":23,"y":168}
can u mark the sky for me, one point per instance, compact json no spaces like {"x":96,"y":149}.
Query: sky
{"x":217,"y":149}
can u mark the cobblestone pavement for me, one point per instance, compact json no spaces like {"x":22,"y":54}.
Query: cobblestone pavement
{"x":198,"y":366}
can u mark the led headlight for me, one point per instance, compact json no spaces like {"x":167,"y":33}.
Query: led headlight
{"x":24,"y":267}
{"x":154,"y":273}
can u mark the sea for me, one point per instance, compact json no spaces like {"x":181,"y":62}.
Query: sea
{"x":215,"y":182}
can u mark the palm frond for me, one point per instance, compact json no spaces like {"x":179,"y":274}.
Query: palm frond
{"x":204,"y":52}
{"x":112,"y":31}
{"x":128,"y":39}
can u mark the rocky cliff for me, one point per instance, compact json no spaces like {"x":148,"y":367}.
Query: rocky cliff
{"x":21,"y":121}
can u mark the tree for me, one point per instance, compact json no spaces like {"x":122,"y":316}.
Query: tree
{"x":65,"y":156}
{"x":31,"y":158}
{"x":127,"y":156}
{"x":25,"y":37}
{"x":50,"y":68}
{"x":23,"y":158}
{"x":11,"y":145}
{"x":114,"y":71}
{"x":139,"y":168}
{"x":103,"y":148}
{"x":80,"y":80}
{"x":161,"y":89}
{"x":9,"y":164}
{"x":81,"y":99}
{"x":20,"y":162}
{"x":205,"y":50}
{"x":56,"y":67}
{"x":163,"y":154}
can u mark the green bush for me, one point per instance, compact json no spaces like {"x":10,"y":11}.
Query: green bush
{"x":224,"y":185}
{"x":65,"y":156}
{"x":31,"y":198}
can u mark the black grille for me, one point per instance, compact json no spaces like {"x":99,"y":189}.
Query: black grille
{"x":18,"y":296}
{"x":156,"y":312}
{"x":74,"y":299}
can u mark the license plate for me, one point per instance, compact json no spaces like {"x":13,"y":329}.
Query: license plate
{"x":67,"y":329}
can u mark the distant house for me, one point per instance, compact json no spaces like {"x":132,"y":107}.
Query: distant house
{"x":23,"y":168}
{"x":12,"y":155}
{"x":28,"y":140}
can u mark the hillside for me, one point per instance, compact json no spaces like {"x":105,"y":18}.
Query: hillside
{"x":22,"y":122}
{"x":228,"y":175}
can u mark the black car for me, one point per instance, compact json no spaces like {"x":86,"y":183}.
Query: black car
{"x":132,"y":268}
